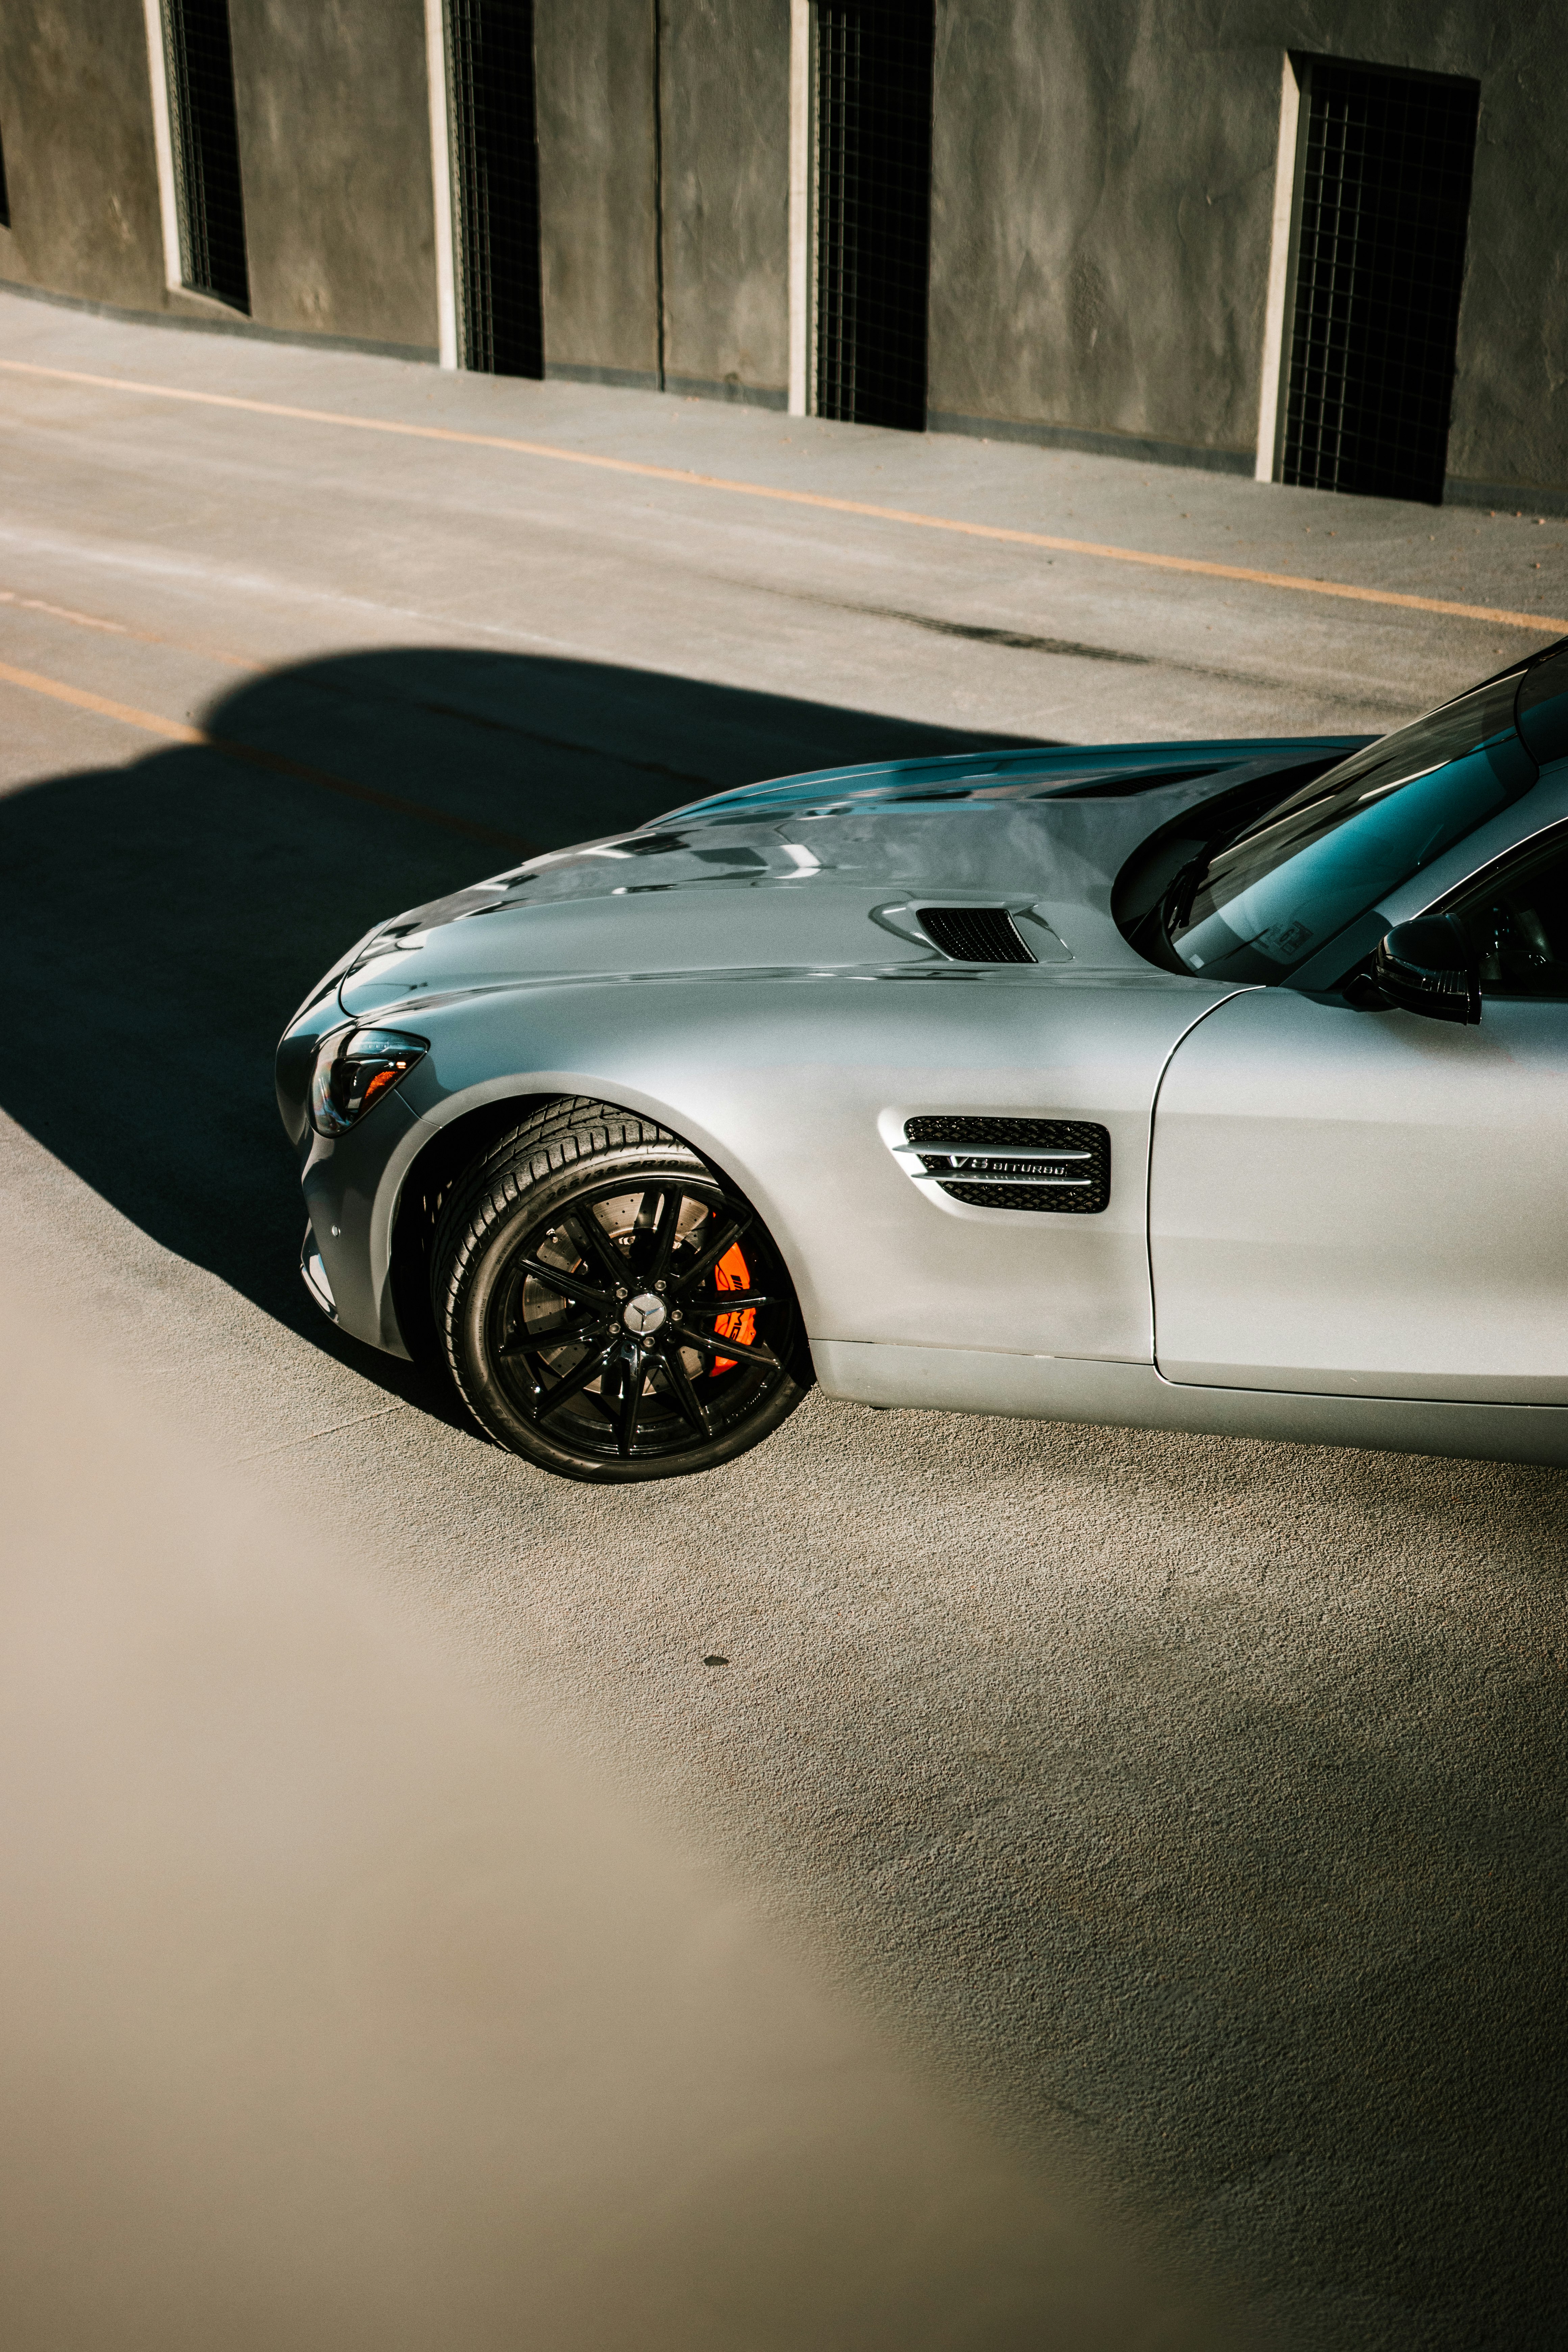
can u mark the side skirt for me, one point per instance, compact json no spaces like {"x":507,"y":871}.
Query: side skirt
{"x":1134,"y":1396}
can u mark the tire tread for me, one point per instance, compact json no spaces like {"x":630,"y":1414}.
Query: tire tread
{"x":558,"y":1135}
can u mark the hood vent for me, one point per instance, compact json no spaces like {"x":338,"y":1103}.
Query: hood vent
{"x":1061,"y":1165}
{"x":974,"y":934}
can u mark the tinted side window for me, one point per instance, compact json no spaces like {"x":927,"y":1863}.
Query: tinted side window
{"x":1520,"y":926}
{"x":1542,"y":712}
{"x":1269,"y":899}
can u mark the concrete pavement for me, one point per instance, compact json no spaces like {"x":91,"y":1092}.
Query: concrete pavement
{"x":1194,"y":1807}
{"x":341,"y":2011}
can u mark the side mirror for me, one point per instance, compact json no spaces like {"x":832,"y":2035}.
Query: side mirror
{"x":1427,"y":966}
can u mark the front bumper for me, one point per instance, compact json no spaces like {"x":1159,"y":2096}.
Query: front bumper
{"x":350,"y":1183}
{"x":314,"y":1273}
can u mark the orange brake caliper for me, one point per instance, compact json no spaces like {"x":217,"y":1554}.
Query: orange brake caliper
{"x":732,"y":1273}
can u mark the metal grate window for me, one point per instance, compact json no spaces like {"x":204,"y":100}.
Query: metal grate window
{"x":200,"y":65}
{"x":873,"y":209}
{"x":1383,"y":175}
{"x":495,"y":177}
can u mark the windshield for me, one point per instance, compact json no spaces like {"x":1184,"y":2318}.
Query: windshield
{"x":1259,"y":907}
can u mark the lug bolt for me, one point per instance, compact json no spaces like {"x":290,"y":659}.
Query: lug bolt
{"x":675,"y":1316}
{"x":622,"y":1294}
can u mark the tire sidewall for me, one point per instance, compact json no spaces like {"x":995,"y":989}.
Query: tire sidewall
{"x":510,"y":1216}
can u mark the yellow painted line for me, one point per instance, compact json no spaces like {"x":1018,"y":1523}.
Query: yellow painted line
{"x":122,"y":629}
{"x":180,"y":730}
{"x":1542,"y":624}
{"x":64,"y":613}
{"x":177,"y":730}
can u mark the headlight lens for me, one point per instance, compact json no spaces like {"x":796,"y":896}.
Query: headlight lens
{"x":354,"y":1067}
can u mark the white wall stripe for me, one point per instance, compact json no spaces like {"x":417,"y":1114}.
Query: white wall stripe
{"x":163,"y":143}
{"x":440,"y":180}
{"x":1274,"y":319}
{"x":800,"y":195}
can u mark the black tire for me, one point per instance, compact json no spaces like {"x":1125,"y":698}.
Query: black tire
{"x":579,"y":1280}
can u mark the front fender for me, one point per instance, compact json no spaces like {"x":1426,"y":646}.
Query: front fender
{"x":787,"y":1086}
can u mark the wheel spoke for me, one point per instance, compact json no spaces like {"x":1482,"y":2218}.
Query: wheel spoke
{"x":664,"y":1235}
{"x":712,"y":1254}
{"x":597,"y":1244}
{"x":605,"y":1409}
{"x":728,"y":1349}
{"x":574,"y":1382}
{"x":631,"y":1402}
{"x":685,"y":1395}
{"x":569,"y":1334}
{"x":570,"y":1285}
{"x":648,"y":1207}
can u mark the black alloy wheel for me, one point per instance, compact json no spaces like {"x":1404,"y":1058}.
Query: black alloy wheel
{"x":611,"y":1308}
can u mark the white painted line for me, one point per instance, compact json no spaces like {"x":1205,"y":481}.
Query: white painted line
{"x":277,"y":587}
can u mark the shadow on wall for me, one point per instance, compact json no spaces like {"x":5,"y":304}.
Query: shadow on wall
{"x":164,"y":919}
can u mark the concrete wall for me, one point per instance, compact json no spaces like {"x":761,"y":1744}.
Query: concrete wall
{"x":1511,"y":394}
{"x":1103,"y":191}
{"x":80,"y":166}
{"x":715,"y":169}
{"x":1102,"y":187}
{"x":593,"y":64}
{"x":724,"y":83}
{"x":334,"y":149}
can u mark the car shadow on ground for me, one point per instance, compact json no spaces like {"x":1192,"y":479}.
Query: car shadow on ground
{"x":165,"y":918}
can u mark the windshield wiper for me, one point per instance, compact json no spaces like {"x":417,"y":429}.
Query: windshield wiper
{"x":1177,"y":901}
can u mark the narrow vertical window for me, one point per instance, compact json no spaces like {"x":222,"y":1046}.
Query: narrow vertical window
{"x":873,"y":209}
{"x":4,"y":198}
{"x":1383,"y":206}
{"x":495,"y":182}
{"x":199,"y":62}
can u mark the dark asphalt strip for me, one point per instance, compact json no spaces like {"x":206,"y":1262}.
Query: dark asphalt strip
{"x":1018,"y":639}
{"x":1061,"y":648}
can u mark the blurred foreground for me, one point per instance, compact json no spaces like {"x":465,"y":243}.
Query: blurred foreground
{"x":340,"y":2012}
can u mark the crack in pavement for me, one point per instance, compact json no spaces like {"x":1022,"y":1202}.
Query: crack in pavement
{"x":292,"y":1444}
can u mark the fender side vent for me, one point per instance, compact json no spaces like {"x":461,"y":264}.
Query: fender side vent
{"x":974,"y":934}
{"x":1060,"y":1165}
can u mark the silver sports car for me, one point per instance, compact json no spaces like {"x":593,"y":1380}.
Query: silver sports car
{"x":1214,"y":1086}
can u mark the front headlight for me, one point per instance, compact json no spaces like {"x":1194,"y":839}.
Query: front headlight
{"x":354,"y":1067}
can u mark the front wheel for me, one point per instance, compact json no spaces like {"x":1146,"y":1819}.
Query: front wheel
{"x":611,"y":1308}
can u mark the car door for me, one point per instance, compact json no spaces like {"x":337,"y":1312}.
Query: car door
{"x":1376,"y":1201}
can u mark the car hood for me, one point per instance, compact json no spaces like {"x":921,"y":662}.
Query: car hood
{"x":824,"y":871}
